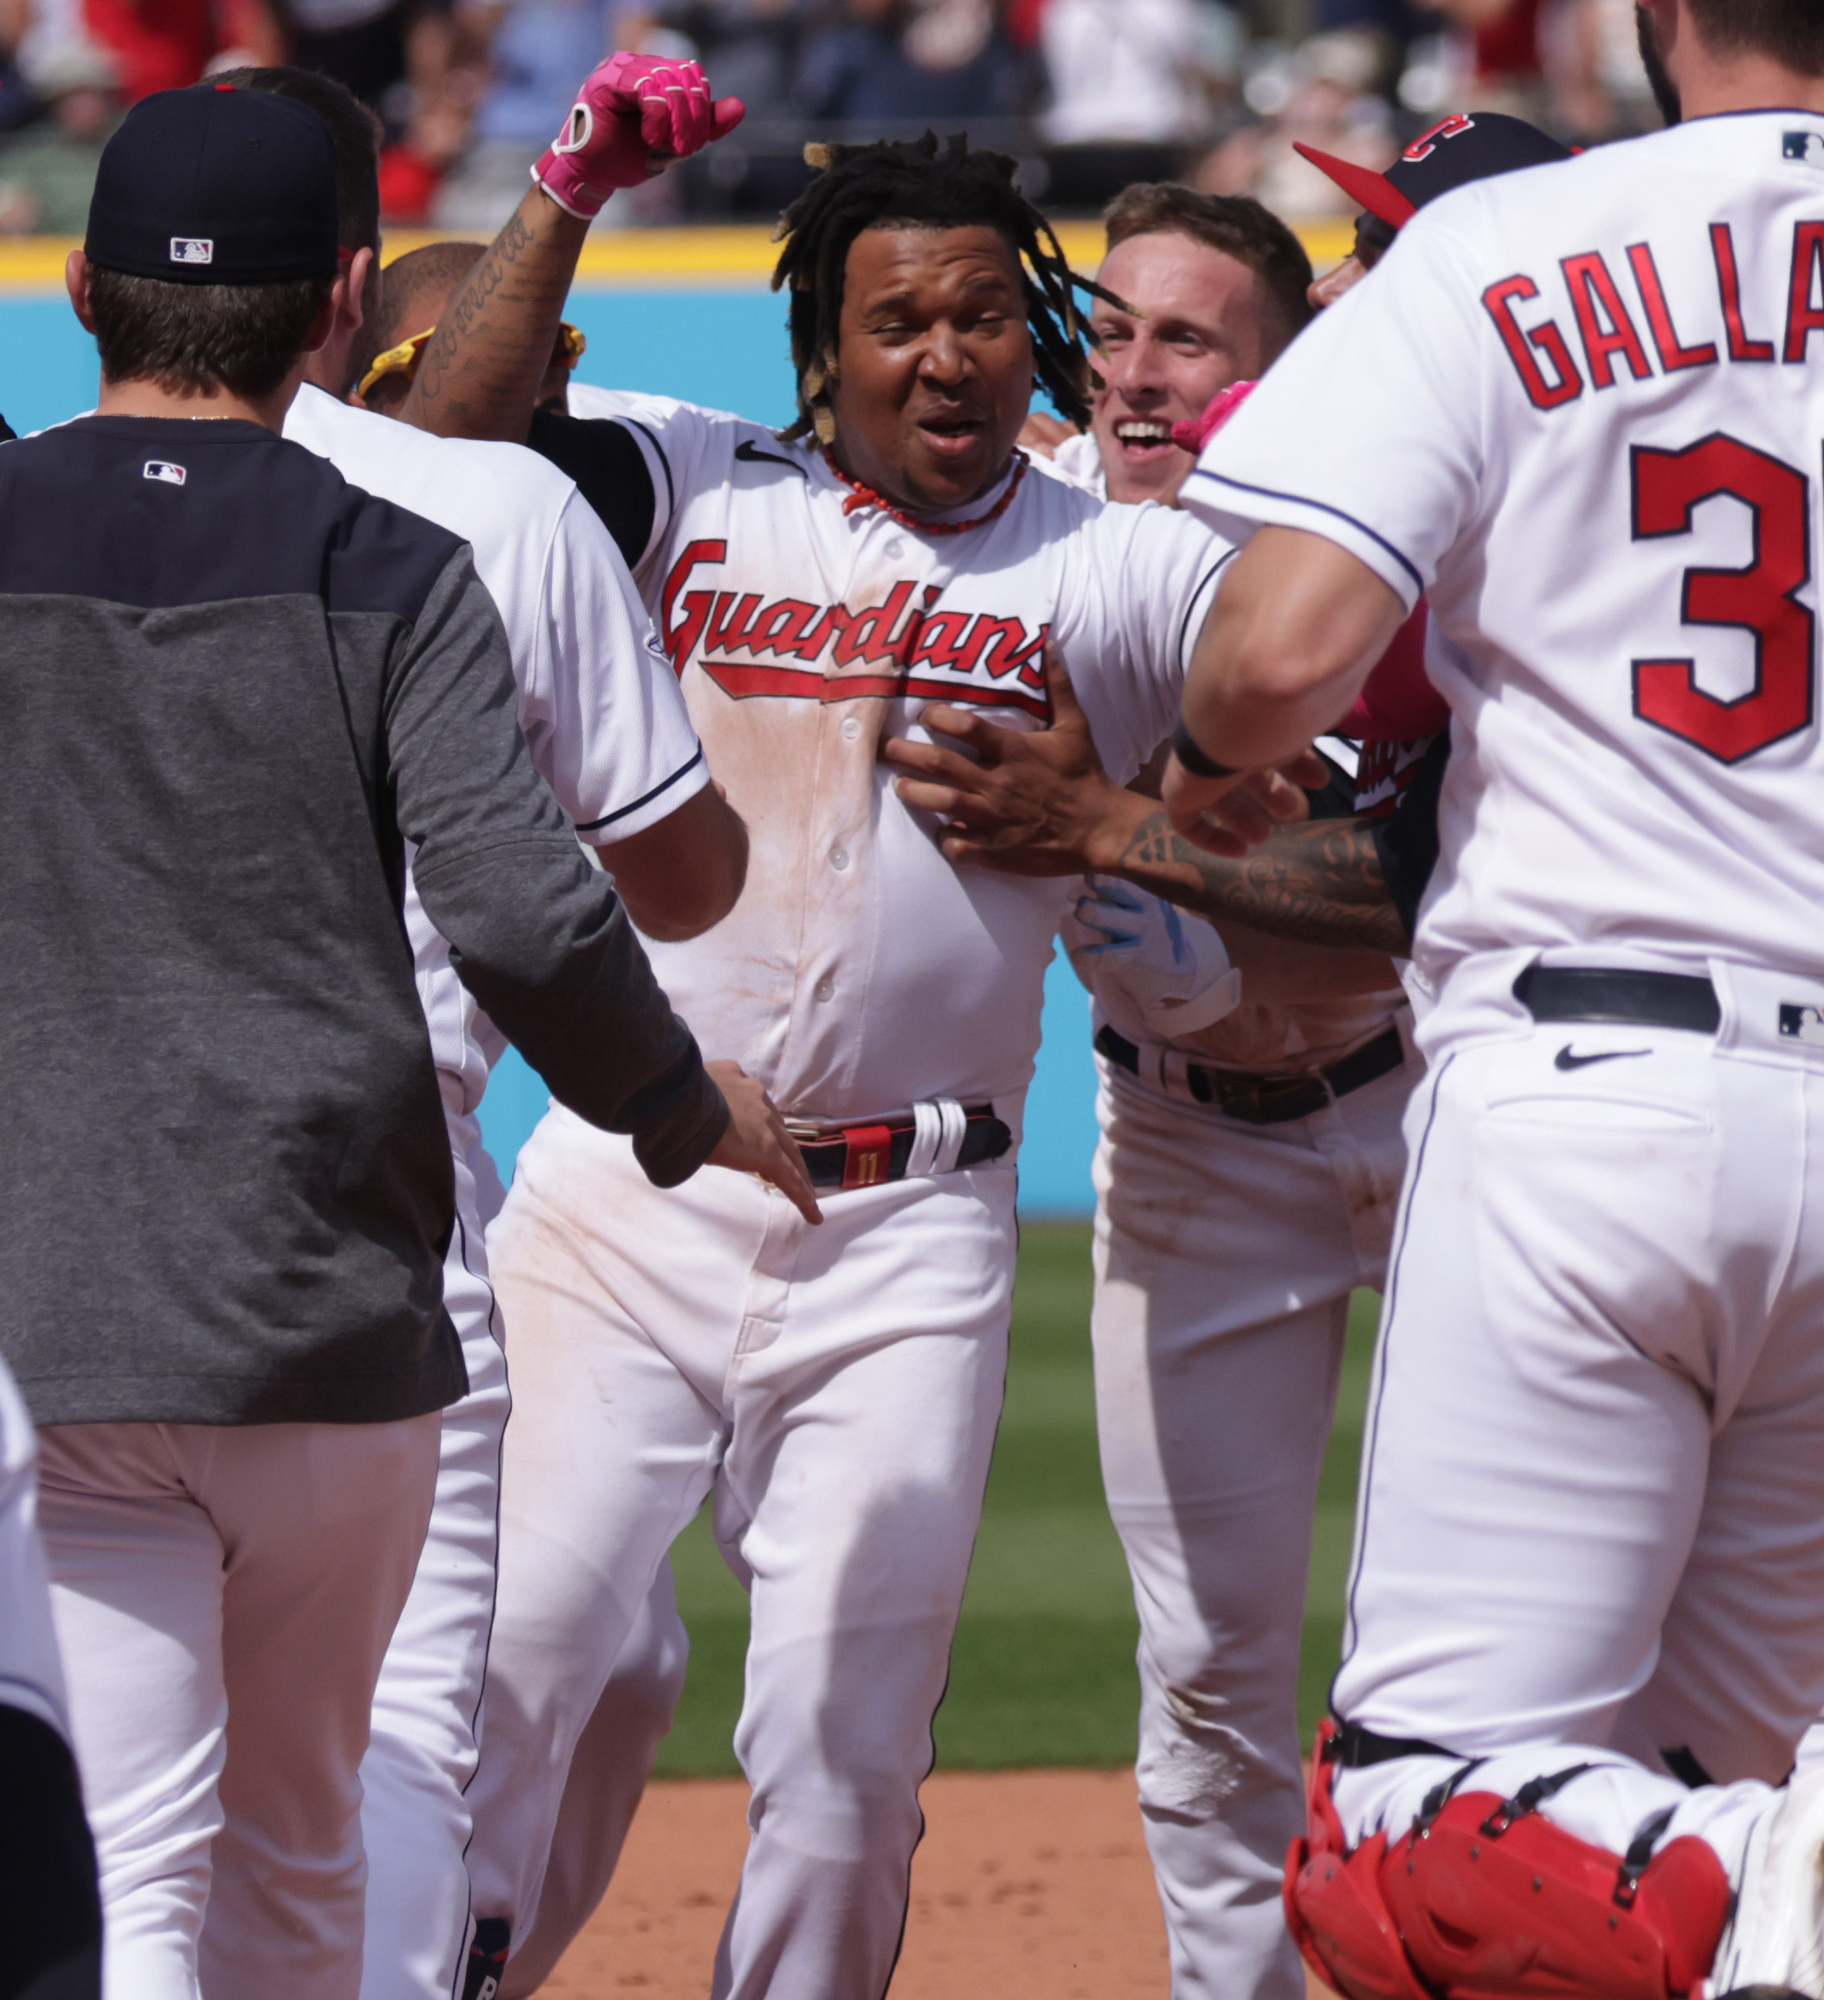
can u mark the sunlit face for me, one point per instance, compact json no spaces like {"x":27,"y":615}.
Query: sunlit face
{"x":933,"y":363}
{"x":1372,"y":239}
{"x":1201,"y":320}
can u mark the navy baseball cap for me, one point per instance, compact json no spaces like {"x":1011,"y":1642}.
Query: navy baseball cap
{"x":217,"y":186}
{"x":1469,"y":146}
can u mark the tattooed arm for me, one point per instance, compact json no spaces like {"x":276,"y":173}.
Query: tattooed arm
{"x":1041,"y":804}
{"x":481,"y":369}
{"x":1320,"y":882}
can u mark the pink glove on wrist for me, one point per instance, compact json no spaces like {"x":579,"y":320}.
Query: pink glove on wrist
{"x":1193,"y":433}
{"x":633,"y":117}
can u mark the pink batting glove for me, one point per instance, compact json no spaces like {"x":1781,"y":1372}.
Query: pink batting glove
{"x":1193,"y":433}
{"x":633,"y":117}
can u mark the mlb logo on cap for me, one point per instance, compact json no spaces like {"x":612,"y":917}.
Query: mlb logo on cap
{"x":216,"y":186}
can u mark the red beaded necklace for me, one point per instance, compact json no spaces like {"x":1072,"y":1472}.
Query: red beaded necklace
{"x":861,"y":496}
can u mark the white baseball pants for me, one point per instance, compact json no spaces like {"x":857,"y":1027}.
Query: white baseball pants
{"x":1225,"y":1255}
{"x":421,"y":1757}
{"x":838,"y":1388}
{"x":608,"y":1772}
{"x":1592,"y":1504}
{"x":223,"y":1597}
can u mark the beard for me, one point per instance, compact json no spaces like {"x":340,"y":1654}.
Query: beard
{"x":1665,"y":91}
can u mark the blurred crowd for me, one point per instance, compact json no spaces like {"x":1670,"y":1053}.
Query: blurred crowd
{"x":1089,"y":94}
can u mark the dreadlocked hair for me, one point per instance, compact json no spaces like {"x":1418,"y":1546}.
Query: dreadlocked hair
{"x":911,"y":182}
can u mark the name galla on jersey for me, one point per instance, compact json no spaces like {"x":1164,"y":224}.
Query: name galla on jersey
{"x":1608,"y":334}
{"x":1771,"y":330}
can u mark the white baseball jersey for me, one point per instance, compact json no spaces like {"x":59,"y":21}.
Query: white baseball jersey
{"x":861,"y":972}
{"x":599,"y":707}
{"x":1580,"y":407}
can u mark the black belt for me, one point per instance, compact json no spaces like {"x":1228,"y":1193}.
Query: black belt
{"x":861,"y":1156}
{"x":1608,"y":993}
{"x":1267,"y":1098}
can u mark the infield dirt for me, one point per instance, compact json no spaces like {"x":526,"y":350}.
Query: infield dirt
{"x":1029,"y":1885}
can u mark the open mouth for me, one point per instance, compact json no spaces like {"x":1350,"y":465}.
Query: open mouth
{"x":951,"y":436}
{"x":1141,"y":438}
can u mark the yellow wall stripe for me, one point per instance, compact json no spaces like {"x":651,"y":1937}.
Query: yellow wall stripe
{"x":613,"y":260}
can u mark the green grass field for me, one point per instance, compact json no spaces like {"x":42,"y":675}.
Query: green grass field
{"x":1043,"y":1672}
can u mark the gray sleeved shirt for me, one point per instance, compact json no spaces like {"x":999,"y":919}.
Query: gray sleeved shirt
{"x":232,"y":687}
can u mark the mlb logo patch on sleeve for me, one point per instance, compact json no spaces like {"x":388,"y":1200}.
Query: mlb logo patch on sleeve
{"x":1808,"y":146}
{"x":164,"y":471}
{"x":193,"y":249}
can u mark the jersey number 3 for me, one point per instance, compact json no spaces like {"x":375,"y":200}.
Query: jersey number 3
{"x":1761,"y":599}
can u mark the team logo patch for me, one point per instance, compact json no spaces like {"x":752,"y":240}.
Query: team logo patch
{"x":1807,"y":146}
{"x":164,"y":472}
{"x":193,"y":249}
{"x":1802,"y":1024}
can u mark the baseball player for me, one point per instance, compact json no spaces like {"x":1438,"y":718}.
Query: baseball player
{"x":1580,"y":408}
{"x":1253,"y":1093}
{"x":615,"y":1755}
{"x":241,"y":689}
{"x":1276,"y":1124}
{"x":601,"y":713}
{"x":838,"y":1395}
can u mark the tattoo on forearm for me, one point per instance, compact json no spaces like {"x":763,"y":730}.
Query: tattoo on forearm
{"x":539,"y":294}
{"x":1317,"y":883}
{"x":483,"y":282}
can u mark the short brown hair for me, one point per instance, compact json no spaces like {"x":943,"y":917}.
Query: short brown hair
{"x":1235,"y":224}
{"x":242,"y":338}
{"x":1790,"y":31}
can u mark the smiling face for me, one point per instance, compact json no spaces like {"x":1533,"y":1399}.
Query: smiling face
{"x":1202,"y":319}
{"x":933,"y":363}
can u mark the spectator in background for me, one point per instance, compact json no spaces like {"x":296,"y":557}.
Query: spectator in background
{"x":1135,"y":69}
{"x":47,"y":171}
{"x":168,"y":44}
{"x":1328,"y":99}
{"x":750,"y":47}
{"x":897,"y":62}
{"x":411,"y":64}
{"x":1509,"y":73}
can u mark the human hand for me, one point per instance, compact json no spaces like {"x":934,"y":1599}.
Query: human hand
{"x":1032,"y":802}
{"x":757,"y":1142}
{"x":1228,"y":815}
{"x":634,"y":116}
{"x":1175,"y":969}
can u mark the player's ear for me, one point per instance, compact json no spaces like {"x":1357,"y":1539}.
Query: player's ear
{"x":358,"y":277}
{"x":76,"y":281}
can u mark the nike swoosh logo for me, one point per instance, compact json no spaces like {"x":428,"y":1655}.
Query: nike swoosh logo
{"x":750,"y":454}
{"x":1566,"y":1060}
